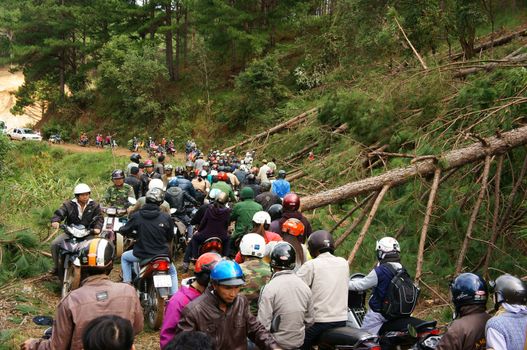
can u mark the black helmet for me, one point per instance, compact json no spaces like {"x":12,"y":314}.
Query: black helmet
{"x":511,"y":290}
{"x":135,"y":157}
{"x":283,"y":256}
{"x":265,"y":186}
{"x":281,"y":174}
{"x":320,"y":242}
{"x":117,"y":174}
{"x":468,"y":289}
{"x":96,"y":254}
{"x":275,"y":211}
{"x":155,"y":196}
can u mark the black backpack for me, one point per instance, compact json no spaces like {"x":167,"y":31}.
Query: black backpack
{"x":401,"y":296}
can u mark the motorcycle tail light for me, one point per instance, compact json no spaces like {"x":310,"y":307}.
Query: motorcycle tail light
{"x":434,"y":331}
{"x":161,"y":265}
{"x":372,"y":346}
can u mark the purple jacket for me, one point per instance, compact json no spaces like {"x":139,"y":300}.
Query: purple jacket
{"x":215,"y":222}
{"x":176,"y":304}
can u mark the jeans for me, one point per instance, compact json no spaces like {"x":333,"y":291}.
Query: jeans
{"x":313,"y":332}
{"x":129,"y":261}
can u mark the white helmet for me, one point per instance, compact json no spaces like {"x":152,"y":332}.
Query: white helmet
{"x":214,"y":172}
{"x":215,"y":192}
{"x":81,"y":188}
{"x":387,"y":245}
{"x":262,"y":217}
{"x":203,"y":173}
{"x":252,"y":244}
{"x":156,"y":183}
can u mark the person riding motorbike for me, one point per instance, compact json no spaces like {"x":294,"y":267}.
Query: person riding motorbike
{"x":135,"y":158}
{"x":467,"y":331}
{"x":117,"y":195}
{"x":223,"y":184}
{"x":327,"y":275}
{"x":287,"y":298}
{"x":263,"y":172}
{"x":155,"y":232}
{"x":243,"y":213}
{"x":250,"y":181}
{"x":186,"y":294}
{"x":257,"y":272}
{"x":223,"y":314}
{"x":261,"y":221}
{"x":167,"y":174}
{"x":267,"y":198}
{"x":159,"y":167}
{"x":82,"y":210}
{"x":141,"y":201}
{"x":149,"y":172}
{"x":134,"y":180}
{"x":507,"y":330}
{"x":281,"y":186}
{"x":388,"y":251}
{"x":183,"y":182}
{"x":290,"y":205}
{"x":98,"y":295}
{"x":293,"y":232}
{"x":201,"y":185}
{"x":215,"y":223}
{"x":275,"y":211}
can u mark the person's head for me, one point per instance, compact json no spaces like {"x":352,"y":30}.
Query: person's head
{"x":261,"y":222}
{"x":283,"y":257}
{"x":149,"y":166}
{"x":275,"y":211}
{"x":281,"y":174}
{"x":468,"y":289}
{"x":221,"y":199}
{"x":96,"y":257}
{"x":118,"y":177}
{"x":252,"y":245}
{"x":134,"y":171}
{"x":246,"y":193}
{"x":203,"y":267}
{"x":293,"y":233}
{"x":251,"y":179}
{"x":227,"y":278}
{"x":155,"y":196}
{"x":156,"y":183}
{"x":179,"y":171}
{"x":161,"y":158}
{"x":291,"y":202}
{"x":387,"y":248}
{"x":509,"y":289}
{"x":222,"y":176}
{"x":320,"y":242}
{"x":193,"y":340}
{"x":135,"y":157}
{"x":265,"y":186}
{"x":168,"y":170}
{"x":82,"y":193}
{"x":108,"y":332}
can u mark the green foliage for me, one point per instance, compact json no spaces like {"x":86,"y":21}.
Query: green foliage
{"x":5,"y":146}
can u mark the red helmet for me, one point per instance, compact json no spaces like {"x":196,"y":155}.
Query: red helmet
{"x":294,"y":227}
{"x":196,"y":172}
{"x":291,"y":202}
{"x":222,"y":176}
{"x":149,"y":163}
{"x":206,"y":262}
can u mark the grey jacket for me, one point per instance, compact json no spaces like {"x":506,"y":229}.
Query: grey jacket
{"x":287,"y":298}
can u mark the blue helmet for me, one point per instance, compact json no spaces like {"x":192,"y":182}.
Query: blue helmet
{"x":173,"y":182}
{"x":468,"y":289}
{"x":227,"y":272}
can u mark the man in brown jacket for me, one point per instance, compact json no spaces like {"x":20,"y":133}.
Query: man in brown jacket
{"x":223,"y":314}
{"x":467,"y":331}
{"x":96,"y":297}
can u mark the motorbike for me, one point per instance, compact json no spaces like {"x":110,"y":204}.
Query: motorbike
{"x":153,"y":285}
{"x":396,"y":334}
{"x":56,"y":139}
{"x":183,"y":230}
{"x":83,"y":142}
{"x":114,"y":219}
{"x":171,"y":151}
{"x":69,"y":265}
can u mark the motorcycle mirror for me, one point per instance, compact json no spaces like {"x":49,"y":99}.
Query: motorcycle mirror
{"x":412,"y":331}
{"x":43,"y":320}
{"x":132,"y":200}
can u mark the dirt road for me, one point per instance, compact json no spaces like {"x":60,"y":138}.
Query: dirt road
{"x":9,"y":83}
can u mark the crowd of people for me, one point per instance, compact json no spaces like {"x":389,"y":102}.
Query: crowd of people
{"x":277,"y":283}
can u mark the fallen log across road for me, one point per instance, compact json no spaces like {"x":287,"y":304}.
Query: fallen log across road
{"x":458,"y":157}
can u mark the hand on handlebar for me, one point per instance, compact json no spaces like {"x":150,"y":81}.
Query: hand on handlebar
{"x":55,"y":225}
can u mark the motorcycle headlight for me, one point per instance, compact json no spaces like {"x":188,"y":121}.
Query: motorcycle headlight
{"x":111,"y":211}
{"x":79,"y":233}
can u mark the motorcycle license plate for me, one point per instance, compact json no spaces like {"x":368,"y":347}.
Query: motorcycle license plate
{"x":161,"y":281}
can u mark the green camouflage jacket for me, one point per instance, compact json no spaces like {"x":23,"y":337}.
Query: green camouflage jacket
{"x":118,"y":197}
{"x":257,"y":274}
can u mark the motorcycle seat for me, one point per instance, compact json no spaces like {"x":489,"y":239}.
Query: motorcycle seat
{"x":345,"y":336}
{"x":401,"y":325}
{"x":157,"y":257}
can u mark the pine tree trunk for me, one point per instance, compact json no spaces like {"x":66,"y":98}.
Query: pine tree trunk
{"x":168,"y":42}
{"x":178,"y":40}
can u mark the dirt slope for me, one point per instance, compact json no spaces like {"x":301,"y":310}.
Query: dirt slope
{"x":9,"y":83}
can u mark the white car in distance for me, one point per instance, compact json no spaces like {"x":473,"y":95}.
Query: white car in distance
{"x":24,"y":134}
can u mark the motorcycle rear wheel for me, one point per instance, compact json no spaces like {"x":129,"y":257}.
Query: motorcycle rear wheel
{"x":72,"y":279}
{"x":154,"y":308}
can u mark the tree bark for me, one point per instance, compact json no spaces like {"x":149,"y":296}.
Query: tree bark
{"x":357,"y":220}
{"x":293,"y":157}
{"x":424,"y":230}
{"x":169,"y":50}
{"x":277,"y":128}
{"x":490,"y":66}
{"x":473,"y":216}
{"x":453,"y":159}
{"x":367,"y":224}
